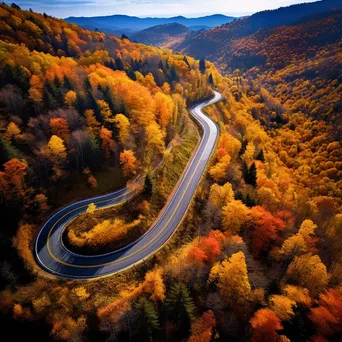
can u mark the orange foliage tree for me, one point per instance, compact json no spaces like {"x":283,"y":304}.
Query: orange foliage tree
{"x":265,"y":324}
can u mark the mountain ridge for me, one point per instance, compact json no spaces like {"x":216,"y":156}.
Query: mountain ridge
{"x":129,"y":24}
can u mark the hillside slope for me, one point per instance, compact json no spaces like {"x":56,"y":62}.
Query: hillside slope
{"x":215,"y":44}
{"x":162,"y":36}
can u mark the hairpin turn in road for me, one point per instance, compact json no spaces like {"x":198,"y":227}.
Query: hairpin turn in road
{"x":55,"y":258}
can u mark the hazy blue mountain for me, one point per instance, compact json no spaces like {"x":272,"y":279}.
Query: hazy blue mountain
{"x":162,"y":35}
{"x":127,"y":24}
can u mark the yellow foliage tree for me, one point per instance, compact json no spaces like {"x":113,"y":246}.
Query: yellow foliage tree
{"x":282,"y":307}
{"x":81,"y":293}
{"x":309,"y":271}
{"x":298,"y":294}
{"x":12,"y":131}
{"x":154,"y":141}
{"x":102,"y":234}
{"x":91,"y":208}
{"x":307,"y":228}
{"x":70,"y":98}
{"x":22,"y":242}
{"x":219,"y":171}
{"x":227,"y":144}
{"x":154,"y":284}
{"x":234,"y":214}
{"x":221,"y":195}
{"x":92,"y":123}
{"x":57,"y":148}
{"x":128,"y":162}
{"x":122,"y":123}
{"x":164,"y":109}
{"x":232,"y":279}
{"x":105,"y":111}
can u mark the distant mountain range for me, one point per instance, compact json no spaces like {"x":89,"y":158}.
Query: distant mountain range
{"x":118,"y":24}
{"x":216,"y":44}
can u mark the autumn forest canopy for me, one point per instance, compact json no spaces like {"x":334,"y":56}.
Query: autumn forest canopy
{"x":258,"y":255}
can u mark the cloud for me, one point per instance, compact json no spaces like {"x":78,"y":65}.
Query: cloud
{"x":65,"y":8}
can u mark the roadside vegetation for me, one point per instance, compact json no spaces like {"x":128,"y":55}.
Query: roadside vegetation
{"x":258,"y":255}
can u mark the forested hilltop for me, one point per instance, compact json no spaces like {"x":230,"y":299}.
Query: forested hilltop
{"x":259,"y":254}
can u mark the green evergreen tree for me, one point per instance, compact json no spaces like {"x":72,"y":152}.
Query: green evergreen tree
{"x":67,"y":84}
{"x":8,"y":151}
{"x":173,"y":74}
{"x":243,"y":147}
{"x":49,"y":95}
{"x":109,"y":98}
{"x":185,"y":59}
{"x":202,"y":66}
{"x":92,"y":104}
{"x":58,"y":92}
{"x":148,"y":187}
{"x":17,"y":76}
{"x":123,"y":36}
{"x":245,"y":172}
{"x":180,"y":307}
{"x":147,"y":319}
{"x":261,"y":156}
{"x":81,"y":103}
{"x":119,"y":64}
{"x":131,"y":74}
{"x":252,"y":175}
{"x":87,"y":84}
{"x":210,"y":79}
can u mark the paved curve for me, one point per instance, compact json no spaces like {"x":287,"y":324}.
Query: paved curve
{"x":54,"y":257}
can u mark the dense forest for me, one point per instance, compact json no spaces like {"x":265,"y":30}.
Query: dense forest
{"x":259,"y":254}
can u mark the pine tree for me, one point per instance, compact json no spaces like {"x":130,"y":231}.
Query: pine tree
{"x":131,"y":74}
{"x":109,"y":98}
{"x":252,"y":175}
{"x":119,"y":64}
{"x":180,"y":306}
{"x":261,"y":156}
{"x":147,"y":318}
{"x":202,"y":65}
{"x":49,"y":99}
{"x":92,"y":104}
{"x":58,"y":92}
{"x":8,"y":151}
{"x":87,"y":84}
{"x":148,"y":187}
{"x":185,"y":59}
{"x":243,"y":147}
{"x":173,"y":74}
{"x":67,"y":84}
{"x":245,"y":172}
{"x":81,"y":103}
{"x":210,"y":79}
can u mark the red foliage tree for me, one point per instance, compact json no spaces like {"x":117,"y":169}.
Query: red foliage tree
{"x":263,"y":229}
{"x":265,"y":324}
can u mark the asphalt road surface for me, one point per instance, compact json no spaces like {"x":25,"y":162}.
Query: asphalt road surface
{"x":54,"y":257}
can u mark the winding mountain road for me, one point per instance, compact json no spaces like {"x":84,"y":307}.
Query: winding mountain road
{"x":54,"y":257}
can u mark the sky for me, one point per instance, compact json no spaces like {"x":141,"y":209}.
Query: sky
{"x":154,"y":8}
